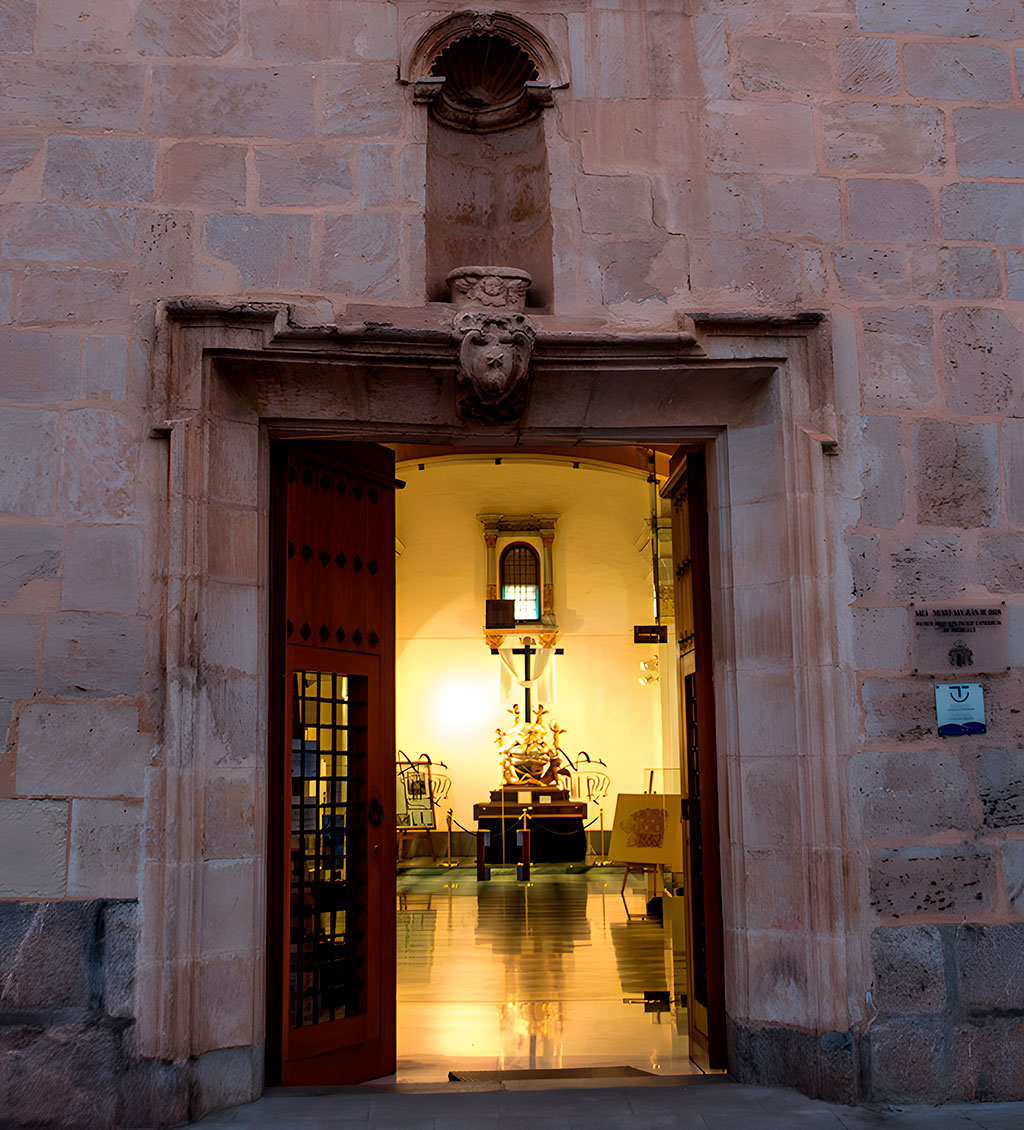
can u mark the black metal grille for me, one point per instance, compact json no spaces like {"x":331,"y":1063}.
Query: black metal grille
{"x":327,"y":942}
{"x":520,"y":580}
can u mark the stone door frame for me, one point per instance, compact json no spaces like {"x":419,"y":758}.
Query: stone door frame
{"x":758,"y":393}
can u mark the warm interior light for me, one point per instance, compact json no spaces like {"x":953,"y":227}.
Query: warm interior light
{"x":463,"y":704}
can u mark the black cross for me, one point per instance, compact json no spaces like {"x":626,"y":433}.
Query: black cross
{"x":527,"y":650}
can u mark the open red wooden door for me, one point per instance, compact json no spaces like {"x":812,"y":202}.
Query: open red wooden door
{"x":687,"y":488}
{"x":331,"y":906}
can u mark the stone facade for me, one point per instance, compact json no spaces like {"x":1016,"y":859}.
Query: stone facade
{"x":857,"y":159}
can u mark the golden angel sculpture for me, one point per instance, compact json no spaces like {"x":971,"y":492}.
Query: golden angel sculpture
{"x":530,"y":752}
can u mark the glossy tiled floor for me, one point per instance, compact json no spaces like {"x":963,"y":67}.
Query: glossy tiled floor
{"x":503,"y":975}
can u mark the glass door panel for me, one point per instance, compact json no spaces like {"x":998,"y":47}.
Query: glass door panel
{"x":327,"y":942}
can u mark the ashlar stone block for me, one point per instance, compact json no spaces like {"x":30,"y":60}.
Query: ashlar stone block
{"x":615,"y":205}
{"x":1015,"y":275}
{"x":56,"y":233}
{"x":305,"y":174}
{"x":40,"y":367}
{"x":882,"y":502}
{"x":33,"y":848}
{"x":17,"y":153}
{"x":871,"y":272}
{"x":957,"y":473}
{"x":898,"y":369}
{"x":984,"y":361}
{"x":908,"y":968}
{"x":873,"y":138}
{"x":113,"y":169}
{"x":229,"y":823}
{"x":104,"y":367}
{"x":320,"y":29}
{"x":361,"y":100}
{"x":728,"y":205}
{"x":953,"y":881}
{"x":896,"y":710}
{"x":203,"y":99}
{"x":81,"y":749}
{"x":208,"y":174}
{"x":102,"y":567}
{"x":1001,"y":562}
{"x":961,"y":19}
{"x":867,"y":65}
{"x":17,"y":23}
{"x":269,"y":252}
{"x":939,"y":273}
{"x":28,"y":553}
{"x":1013,"y":456}
{"x":164,"y":253}
{"x":803,"y":206}
{"x":909,"y":793}
{"x":72,"y":296}
{"x":751,"y":137}
{"x":989,"y":142}
{"x":360,"y":255}
{"x":769,"y":271}
{"x":105,"y":844}
{"x":989,"y":966}
{"x":882,"y":639}
{"x":99,"y":29}
{"x":168,"y":27}
{"x":772,"y":63}
{"x":1013,"y":873}
{"x":19,"y":648}
{"x":983,"y":210}
{"x":970,"y":72}
{"x":28,"y":441}
{"x":928,"y":565}
{"x":864,"y":563}
{"x":376,"y":173}
{"x":99,"y":454}
{"x":886,"y":211}
{"x":44,"y":93}
{"x":1001,"y":787}
{"x":97,"y":654}
{"x":909,"y":1058}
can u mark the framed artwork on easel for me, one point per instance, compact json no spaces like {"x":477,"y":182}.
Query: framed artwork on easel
{"x":414,"y":797}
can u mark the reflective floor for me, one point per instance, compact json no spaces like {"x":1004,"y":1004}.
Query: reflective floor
{"x":557,"y":973}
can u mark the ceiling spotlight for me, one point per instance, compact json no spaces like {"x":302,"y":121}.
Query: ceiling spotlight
{"x":648,"y":672}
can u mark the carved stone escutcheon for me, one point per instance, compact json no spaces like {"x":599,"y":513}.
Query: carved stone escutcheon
{"x":496,"y":341}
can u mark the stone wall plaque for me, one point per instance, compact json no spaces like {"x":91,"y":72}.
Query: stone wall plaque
{"x":962,"y":637}
{"x":959,"y":708}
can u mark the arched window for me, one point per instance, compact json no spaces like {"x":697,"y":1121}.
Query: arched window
{"x":519,"y":578}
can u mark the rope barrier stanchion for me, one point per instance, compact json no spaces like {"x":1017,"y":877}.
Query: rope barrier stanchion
{"x":448,"y":862}
{"x":523,"y":841}
{"x":483,"y":841}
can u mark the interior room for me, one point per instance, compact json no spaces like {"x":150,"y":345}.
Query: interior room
{"x":538,"y":689}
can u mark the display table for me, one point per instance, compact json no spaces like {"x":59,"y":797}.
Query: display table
{"x":555,"y":823}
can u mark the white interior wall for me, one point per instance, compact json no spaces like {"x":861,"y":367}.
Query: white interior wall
{"x":448,"y":701}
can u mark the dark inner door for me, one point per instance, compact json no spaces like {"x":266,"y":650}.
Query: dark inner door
{"x":331,"y":929}
{"x":687,"y":488}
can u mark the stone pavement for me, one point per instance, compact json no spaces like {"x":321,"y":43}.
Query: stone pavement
{"x":701,"y":1103}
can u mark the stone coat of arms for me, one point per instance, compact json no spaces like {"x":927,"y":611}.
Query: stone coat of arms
{"x":495,"y":341}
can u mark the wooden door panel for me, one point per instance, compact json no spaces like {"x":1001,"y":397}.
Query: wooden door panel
{"x":331,"y":958}
{"x":687,"y":489}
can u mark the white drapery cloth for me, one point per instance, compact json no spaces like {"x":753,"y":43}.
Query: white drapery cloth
{"x":541,"y":680}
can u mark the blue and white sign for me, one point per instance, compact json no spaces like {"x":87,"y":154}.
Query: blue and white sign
{"x":959,"y":708}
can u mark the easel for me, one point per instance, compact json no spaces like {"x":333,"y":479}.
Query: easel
{"x":422,"y":769}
